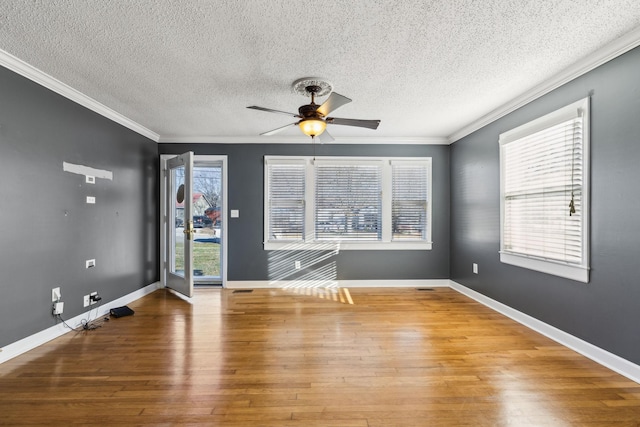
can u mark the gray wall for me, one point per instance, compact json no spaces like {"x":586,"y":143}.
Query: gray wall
{"x":47,"y":230}
{"x":248,"y":260}
{"x":606,"y":311}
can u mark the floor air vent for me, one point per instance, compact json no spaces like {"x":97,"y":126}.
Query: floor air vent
{"x":243,"y":291}
{"x":424,"y":289}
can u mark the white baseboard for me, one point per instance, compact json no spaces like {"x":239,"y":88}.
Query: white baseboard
{"x":283,"y":284}
{"x":603,"y":357}
{"x":29,"y":343}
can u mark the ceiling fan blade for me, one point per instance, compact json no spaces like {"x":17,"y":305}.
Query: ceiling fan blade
{"x":334,"y":101}
{"x":280,"y":129}
{"x":270,"y":110}
{"x":370,"y":124}
{"x":325,"y":137}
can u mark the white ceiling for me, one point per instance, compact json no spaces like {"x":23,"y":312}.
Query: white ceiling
{"x":186,"y":70}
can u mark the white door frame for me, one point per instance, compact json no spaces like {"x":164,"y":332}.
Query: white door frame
{"x":164,"y":214}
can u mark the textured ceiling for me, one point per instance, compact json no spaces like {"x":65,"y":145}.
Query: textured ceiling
{"x":189,"y":68}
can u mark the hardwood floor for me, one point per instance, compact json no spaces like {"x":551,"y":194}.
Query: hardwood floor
{"x":354,"y":358}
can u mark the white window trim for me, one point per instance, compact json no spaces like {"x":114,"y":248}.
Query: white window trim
{"x":315,"y":245}
{"x":578,"y":272}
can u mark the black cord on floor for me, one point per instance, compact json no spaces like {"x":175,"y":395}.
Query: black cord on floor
{"x":59,"y":316}
{"x":86,"y":324}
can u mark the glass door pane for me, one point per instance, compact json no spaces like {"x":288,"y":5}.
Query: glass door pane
{"x":177,"y":222}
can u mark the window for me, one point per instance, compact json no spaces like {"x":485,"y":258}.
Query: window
{"x":358,"y":203}
{"x":544,"y":193}
{"x":348,"y":201}
{"x":409,"y":202}
{"x":286,"y":200}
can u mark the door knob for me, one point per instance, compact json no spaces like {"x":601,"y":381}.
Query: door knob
{"x":189,"y":230}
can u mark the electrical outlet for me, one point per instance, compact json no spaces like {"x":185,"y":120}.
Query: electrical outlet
{"x":475,"y":268}
{"x":90,"y":263}
{"x":94,"y":298}
{"x":58,"y":308}
{"x":55,"y":294}
{"x":298,"y":265}
{"x":86,"y":301}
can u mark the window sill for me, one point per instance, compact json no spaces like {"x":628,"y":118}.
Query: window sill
{"x":346,"y":246}
{"x":573,"y":272}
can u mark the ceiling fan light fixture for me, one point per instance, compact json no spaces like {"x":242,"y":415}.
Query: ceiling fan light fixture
{"x":313,"y":118}
{"x":312,"y":127}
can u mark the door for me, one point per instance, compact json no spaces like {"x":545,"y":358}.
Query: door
{"x":179,"y":224}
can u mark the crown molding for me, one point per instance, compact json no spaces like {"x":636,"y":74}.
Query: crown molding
{"x":30,"y":72}
{"x":612,"y":50}
{"x":603,"y":55}
{"x":301,"y":140}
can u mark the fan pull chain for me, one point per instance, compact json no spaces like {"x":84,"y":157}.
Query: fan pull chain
{"x":572,"y":207}
{"x":314,"y":149}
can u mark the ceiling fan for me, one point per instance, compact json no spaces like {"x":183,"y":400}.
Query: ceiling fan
{"x":313,"y":117}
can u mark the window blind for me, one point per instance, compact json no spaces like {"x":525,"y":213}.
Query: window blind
{"x":409,"y":201}
{"x":286,"y":188}
{"x":348,"y":201}
{"x":542,"y":178}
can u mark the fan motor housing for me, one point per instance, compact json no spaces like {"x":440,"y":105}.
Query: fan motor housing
{"x":309,"y":111}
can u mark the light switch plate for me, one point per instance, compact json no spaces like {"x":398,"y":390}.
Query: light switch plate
{"x":235,"y":213}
